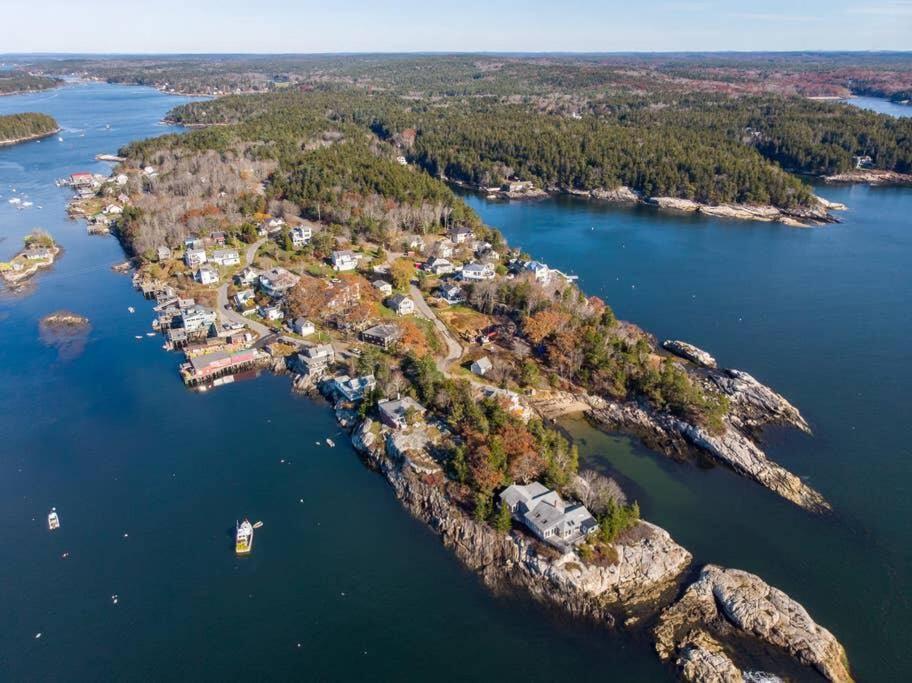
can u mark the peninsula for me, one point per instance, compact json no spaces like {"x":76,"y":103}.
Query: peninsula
{"x":299,"y":237}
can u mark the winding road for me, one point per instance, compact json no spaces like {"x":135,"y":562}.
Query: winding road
{"x":454,"y":348}
{"x":224,"y":308}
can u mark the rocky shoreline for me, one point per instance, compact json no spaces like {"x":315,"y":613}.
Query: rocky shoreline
{"x":871,"y":177}
{"x":753,"y":406}
{"x":702,"y":639}
{"x":797,"y":217}
{"x":29,"y":138}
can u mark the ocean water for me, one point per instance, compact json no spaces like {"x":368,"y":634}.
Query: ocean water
{"x":821,"y":315}
{"x":149,"y":479}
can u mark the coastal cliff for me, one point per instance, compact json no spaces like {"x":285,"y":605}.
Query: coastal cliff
{"x":649,"y":564}
{"x":701,"y":632}
{"x":725,"y":604}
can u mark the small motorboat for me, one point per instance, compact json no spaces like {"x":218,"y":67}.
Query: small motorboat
{"x":330,"y":443}
{"x":53,"y":520}
{"x":139,"y":336}
{"x":131,"y":309}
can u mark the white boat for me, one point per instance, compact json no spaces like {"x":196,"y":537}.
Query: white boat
{"x":53,"y":519}
{"x":330,"y":443}
{"x":139,"y":336}
{"x":243,"y":542}
{"x":131,"y":309}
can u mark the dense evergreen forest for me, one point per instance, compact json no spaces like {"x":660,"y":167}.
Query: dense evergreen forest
{"x":18,"y":126}
{"x":711,"y":149}
{"x":18,"y":81}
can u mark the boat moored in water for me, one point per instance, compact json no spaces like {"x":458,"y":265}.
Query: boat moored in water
{"x":53,"y":519}
{"x":243,"y":543}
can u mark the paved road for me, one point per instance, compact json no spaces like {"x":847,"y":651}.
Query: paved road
{"x":454,"y":348}
{"x":226,"y":311}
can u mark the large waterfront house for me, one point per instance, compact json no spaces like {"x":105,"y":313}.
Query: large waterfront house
{"x":226,"y":257}
{"x":277,"y":281}
{"x":401,"y":304}
{"x":384,"y":335}
{"x":541,"y":272}
{"x":196,"y":318}
{"x":547,"y":515}
{"x":476,"y":272}
{"x":301,"y":235}
{"x":313,"y":359}
{"x":354,"y":388}
{"x":206,"y":275}
{"x":396,"y":413}
{"x":344,"y":260}
{"x":194,"y":257}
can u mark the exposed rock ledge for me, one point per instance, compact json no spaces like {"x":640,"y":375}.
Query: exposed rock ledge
{"x":871,"y":177}
{"x":674,"y":436}
{"x":689,"y":352}
{"x":650,"y":563}
{"x":729,"y":603}
{"x":702,"y":630}
{"x":804,"y":217}
{"x":64,"y":319}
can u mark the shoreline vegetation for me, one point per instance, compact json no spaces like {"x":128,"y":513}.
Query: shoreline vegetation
{"x":40,"y":252}
{"x":306,"y":229}
{"x":22,"y":83}
{"x":25,"y":127}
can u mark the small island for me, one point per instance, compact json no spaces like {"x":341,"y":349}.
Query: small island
{"x":16,"y":128}
{"x":40,"y":252}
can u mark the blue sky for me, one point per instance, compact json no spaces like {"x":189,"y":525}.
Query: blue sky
{"x":457,"y":25}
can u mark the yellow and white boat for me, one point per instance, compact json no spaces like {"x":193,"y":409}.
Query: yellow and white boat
{"x":53,"y":519}
{"x":243,"y":543}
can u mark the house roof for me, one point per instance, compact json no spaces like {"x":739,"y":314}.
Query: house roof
{"x":396,"y":409}
{"x":384,"y":331}
{"x":483,"y":363}
{"x":397,"y":300}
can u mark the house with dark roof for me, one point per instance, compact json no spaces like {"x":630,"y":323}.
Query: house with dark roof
{"x":383,"y":336}
{"x":547,"y":515}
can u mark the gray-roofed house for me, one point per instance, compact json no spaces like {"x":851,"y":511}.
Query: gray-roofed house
{"x":206,"y":275}
{"x":547,"y":515}
{"x":395,"y":413}
{"x":477,"y":271}
{"x":482,"y":366}
{"x":277,"y":281}
{"x":401,"y":304}
{"x":383,"y":336}
{"x":382,"y":286}
{"x":354,"y":388}
{"x":313,"y":359}
{"x":344,"y":260}
{"x":460,"y":234}
{"x":452,"y":294}
{"x":303,"y":327}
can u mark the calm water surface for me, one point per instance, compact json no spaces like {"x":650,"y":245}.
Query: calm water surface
{"x":150,"y":478}
{"x":345,"y":584}
{"x":823,"y":316}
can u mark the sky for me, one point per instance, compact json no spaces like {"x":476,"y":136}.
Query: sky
{"x":309,"y":26}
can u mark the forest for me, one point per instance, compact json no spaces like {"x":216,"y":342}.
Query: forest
{"x":12,"y":82}
{"x":15,"y":127}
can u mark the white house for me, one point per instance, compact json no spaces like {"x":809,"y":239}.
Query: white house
{"x":112,"y":210}
{"x":384,"y":287}
{"x":541,"y":272}
{"x":206,"y":275}
{"x":242,"y":297}
{"x":439,"y":266}
{"x":270,"y":313}
{"x":401,"y":304}
{"x":301,"y":235}
{"x":271,"y":226}
{"x":195,"y":257}
{"x":344,"y":260}
{"x":547,"y":515}
{"x":247,"y":276}
{"x":226,"y":257}
{"x":354,"y":388}
{"x":303,"y":327}
{"x":196,"y":318}
{"x":482,"y":366}
{"x":277,"y":281}
{"x":477,"y":272}
{"x":460,"y":234}
{"x":444,"y":248}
